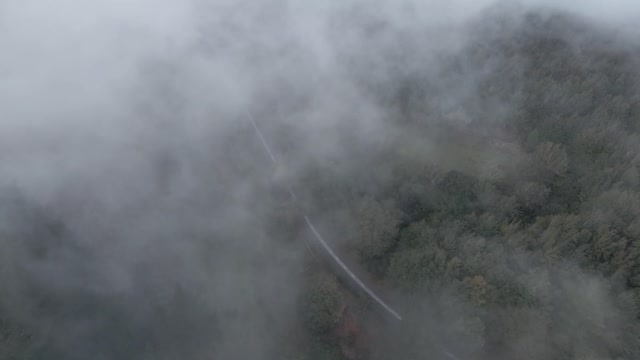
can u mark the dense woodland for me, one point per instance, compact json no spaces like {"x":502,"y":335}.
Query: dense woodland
{"x":502,"y":223}
{"x":537,"y":259}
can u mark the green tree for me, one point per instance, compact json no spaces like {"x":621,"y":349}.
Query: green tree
{"x":377,"y":227}
{"x":551,"y":158}
{"x":322,"y":304}
{"x":417,"y":268}
{"x":458,"y":192}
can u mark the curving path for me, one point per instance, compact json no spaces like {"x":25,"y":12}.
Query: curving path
{"x":329,"y":251}
{"x":322,"y":242}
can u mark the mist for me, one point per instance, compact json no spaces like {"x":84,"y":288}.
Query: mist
{"x":139,"y":215}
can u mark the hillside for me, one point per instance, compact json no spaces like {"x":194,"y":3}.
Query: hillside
{"x":482,"y":178}
{"x":538,"y":258}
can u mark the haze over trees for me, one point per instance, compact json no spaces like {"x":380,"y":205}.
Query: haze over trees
{"x":484,"y":178}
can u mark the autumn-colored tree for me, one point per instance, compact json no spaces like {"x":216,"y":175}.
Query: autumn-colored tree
{"x":477,"y":288}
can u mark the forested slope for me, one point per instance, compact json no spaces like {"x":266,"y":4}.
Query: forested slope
{"x":540,"y":258}
{"x":487,"y":180}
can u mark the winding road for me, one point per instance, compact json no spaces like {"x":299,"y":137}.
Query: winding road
{"x":329,"y":251}
{"x":324,"y":245}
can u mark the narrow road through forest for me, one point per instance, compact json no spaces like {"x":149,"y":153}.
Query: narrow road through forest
{"x":337,"y":259}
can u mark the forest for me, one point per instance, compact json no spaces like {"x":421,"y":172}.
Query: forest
{"x":495,"y":204}
{"x":525,"y":225}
